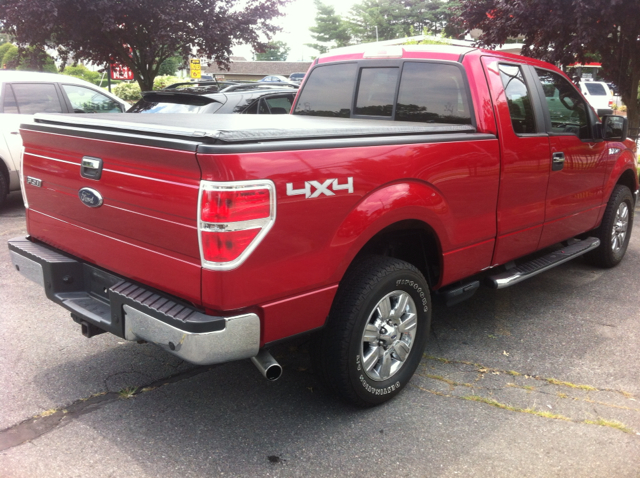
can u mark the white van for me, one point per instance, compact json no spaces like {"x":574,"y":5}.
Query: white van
{"x":597,"y":94}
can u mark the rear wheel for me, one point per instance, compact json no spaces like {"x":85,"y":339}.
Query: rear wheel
{"x":4,"y":187}
{"x":615,"y":230}
{"x":376,"y":331}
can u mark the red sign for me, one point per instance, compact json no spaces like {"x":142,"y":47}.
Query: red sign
{"x":121,"y":72}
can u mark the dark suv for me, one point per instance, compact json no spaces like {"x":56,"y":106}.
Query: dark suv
{"x":209,"y":98}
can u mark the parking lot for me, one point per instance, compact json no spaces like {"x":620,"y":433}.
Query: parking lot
{"x":542,"y":379}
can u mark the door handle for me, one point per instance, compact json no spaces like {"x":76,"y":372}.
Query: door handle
{"x":557,"y":162}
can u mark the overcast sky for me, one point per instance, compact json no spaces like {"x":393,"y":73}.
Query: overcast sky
{"x":299,"y":16}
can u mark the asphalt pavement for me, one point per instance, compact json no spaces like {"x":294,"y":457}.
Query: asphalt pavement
{"x":538,"y":380}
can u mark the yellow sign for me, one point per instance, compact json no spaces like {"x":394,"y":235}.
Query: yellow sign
{"x":194,"y":65}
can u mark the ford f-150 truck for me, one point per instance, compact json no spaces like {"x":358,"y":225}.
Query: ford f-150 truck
{"x":401,"y":173}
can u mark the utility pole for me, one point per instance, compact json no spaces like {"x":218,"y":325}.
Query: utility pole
{"x":376,"y":33}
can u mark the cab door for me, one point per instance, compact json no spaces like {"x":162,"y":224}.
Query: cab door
{"x":578,"y":160}
{"x":525,"y":160}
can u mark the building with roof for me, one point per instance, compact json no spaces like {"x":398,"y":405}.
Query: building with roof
{"x":240,"y":69}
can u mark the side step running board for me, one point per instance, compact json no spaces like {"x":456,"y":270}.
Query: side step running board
{"x":541,"y":264}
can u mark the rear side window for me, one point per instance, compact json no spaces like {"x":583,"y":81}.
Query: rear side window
{"x":328,"y":92}
{"x":595,"y":89}
{"x":279,"y":105}
{"x":432,"y":93}
{"x":35,"y":98}
{"x":518,"y":99}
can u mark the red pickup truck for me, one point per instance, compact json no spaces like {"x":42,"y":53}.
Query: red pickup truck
{"x":401,"y":174}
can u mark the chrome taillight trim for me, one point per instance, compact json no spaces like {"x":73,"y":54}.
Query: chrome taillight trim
{"x":234,"y":226}
{"x":23,"y":188}
{"x":265,"y":224}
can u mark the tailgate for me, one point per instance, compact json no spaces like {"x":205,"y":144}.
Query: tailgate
{"x":121,"y":200}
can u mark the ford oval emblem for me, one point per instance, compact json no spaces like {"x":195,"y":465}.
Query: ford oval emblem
{"x":90,"y":197}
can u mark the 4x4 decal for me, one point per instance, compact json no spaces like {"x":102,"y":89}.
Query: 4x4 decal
{"x":327,"y":187}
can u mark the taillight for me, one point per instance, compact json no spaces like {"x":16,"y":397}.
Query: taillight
{"x":233,"y":217}
{"x":611,"y":103}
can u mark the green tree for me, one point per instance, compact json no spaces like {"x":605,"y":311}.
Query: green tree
{"x":140,"y":34}
{"x":374,"y":20}
{"x":564,"y":32}
{"x":330,"y":31}
{"x":28,"y":59}
{"x":170,"y":66}
{"x":432,"y":15}
{"x":274,"y":51}
{"x":82,"y":72}
{"x":398,"y":18}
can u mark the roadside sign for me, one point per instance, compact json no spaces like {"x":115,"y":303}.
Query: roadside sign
{"x":120,"y":72}
{"x":194,"y":65}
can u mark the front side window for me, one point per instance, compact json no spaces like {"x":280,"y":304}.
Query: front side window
{"x":432,"y":93}
{"x":35,"y":98}
{"x":567,"y":109}
{"x":328,"y":92}
{"x":86,"y":100}
{"x":518,"y":99}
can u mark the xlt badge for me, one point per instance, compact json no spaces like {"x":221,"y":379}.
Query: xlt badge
{"x":90,"y":197}
{"x":34,"y":182}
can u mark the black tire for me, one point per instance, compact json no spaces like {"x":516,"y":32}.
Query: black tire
{"x":615,"y":230}
{"x":374,"y":285}
{"x":4,"y":187}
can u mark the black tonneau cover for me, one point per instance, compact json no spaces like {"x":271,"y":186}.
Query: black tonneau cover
{"x":236,"y":129}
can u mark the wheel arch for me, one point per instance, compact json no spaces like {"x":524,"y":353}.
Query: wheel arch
{"x":404,"y":220}
{"x":412,"y":241}
{"x":628,"y":178}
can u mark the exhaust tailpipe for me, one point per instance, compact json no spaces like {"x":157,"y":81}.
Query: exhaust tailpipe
{"x":267,"y":365}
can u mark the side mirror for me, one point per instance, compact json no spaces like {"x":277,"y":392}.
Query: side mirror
{"x":615,"y":127}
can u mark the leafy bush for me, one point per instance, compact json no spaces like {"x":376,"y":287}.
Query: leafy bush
{"x":131,"y":91}
{"x":127,"y":91}
{"x":161,"y":82}
{"x":83,"y":73}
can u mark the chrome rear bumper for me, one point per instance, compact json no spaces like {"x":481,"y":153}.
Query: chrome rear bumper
{"x":101,"y":301}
